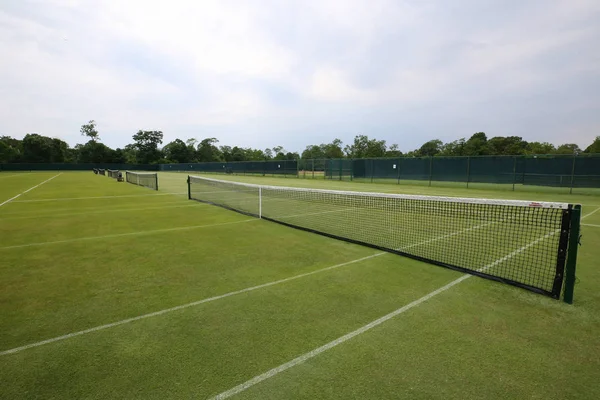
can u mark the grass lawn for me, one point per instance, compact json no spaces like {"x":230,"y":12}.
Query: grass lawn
{"x":145,"y":294}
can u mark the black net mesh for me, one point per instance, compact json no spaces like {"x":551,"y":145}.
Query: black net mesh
{"x":146,"y":179}
{"x":517,"y":242}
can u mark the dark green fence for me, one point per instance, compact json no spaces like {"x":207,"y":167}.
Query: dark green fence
{"x":581,"y":171}
{"x":567,"y":172}
{"x":75,"y":167}
{"x":260,"y":168}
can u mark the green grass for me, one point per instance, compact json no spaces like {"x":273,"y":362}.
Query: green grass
{"x":122,"y":251}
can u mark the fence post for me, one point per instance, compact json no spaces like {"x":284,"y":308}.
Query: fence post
{"x":514,"y":172}
{"x":430,"y":169}
{"x":572,"y":174}
{"x":468,"y":170}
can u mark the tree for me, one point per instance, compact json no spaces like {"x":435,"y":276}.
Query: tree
{"x":509,"y":145}
{"x":177,"y":152}
{"x":37,"y":148}
{"x":291,"y":156}
{"x":119,"y":156}
{"x":60,"y":151}
{"x":313,"y":152}
{"x":90,"y":131}
{"x":268,"y":154}
{"x":476,"y":145}
{"x":255,"y":155}
{"x":455,"y":148}
{"x":594,"y":147}
{"x":540,"y":148}
{"x":364,"y":147}
{"x":208,"y":151}
{"x":191,"y":145}
{"x":393,"y":151}
{"x":279,"y":152}
{"x":568,"y":148}
{"x":333,"y":149}
{"x":431,"y":148}
{"x":130,"y":153}
{"x":10,"y":149}
{"x":146,"y":145}
{"x":94,"y":152}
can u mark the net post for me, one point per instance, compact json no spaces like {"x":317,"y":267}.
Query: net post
{"x":260,"y":202}
{"x":398,"y":166}
{"x":156,"y":180}
{"x":313,"y":168}
{"x":341,"y":166}
{"x":371,"y":170}
{"x":189,"y":188}
{"x":572,"y":174}
{"x":572,"y":254}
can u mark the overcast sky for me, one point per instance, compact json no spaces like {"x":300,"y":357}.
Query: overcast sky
{"x":273,"y":72}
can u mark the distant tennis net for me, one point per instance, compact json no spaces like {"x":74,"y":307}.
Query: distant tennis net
{"x":521,"y":243}
{"x":146,"y":179}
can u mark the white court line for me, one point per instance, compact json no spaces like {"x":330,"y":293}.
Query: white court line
{"x":592,"y":213}
{"x":8,"y":176}
{"x":98,"y":197}
{"x":313,"y":353}
{"x":31,"y":188}
{"x":109,"y":211}
{"x":594,"y":225}
{"x":117,"y":235}
{"x":156,"y":313}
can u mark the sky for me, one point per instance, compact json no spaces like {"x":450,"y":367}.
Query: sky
{"x":264,"y":73}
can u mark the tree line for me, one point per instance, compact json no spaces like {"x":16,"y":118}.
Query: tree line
{"x":147,"y":148}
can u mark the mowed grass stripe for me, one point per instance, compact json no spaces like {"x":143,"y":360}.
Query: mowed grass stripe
{"x":28,"y":190}
{"x":183,"y":306}
{"x":107,"y":211}
{"x":119,"y":235}
{"x":98,"y":197}
{"x":194,"y":353}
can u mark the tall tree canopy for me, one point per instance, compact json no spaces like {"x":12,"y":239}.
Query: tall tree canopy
{"x":146,"y":144}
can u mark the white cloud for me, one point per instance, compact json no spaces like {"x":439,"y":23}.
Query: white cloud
{"x":255,"y":72}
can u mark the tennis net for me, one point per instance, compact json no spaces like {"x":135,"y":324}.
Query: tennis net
{"x":146,"y":179}
{"x":521,"y":243}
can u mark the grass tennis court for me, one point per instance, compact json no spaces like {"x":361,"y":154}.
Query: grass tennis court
{"x":145,"y":294}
